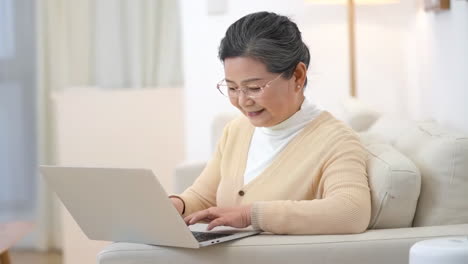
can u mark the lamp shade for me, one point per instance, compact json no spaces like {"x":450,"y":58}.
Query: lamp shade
{"x":357,"y":2}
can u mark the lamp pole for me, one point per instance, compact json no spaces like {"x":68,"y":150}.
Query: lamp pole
{"x":352,"y":48}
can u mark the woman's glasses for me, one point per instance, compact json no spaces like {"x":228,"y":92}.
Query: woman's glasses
{"x":249,"y":90}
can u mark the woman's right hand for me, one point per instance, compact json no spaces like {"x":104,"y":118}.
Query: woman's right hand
{"x":178,"y":204}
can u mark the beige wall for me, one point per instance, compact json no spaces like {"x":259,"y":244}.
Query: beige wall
{"x":120,"y":128}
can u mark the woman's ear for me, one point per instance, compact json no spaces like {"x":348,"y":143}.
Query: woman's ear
{"x":300,"y":74}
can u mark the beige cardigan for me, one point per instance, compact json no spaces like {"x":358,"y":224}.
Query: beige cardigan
{"x":316,"y":185}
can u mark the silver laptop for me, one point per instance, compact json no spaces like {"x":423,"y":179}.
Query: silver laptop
{"x":127,"y":205}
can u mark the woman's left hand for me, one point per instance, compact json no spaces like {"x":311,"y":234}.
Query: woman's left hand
{"x":238,"y":217}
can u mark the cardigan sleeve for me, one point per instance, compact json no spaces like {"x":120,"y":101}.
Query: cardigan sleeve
{"x":344,"y":206}
{"x":202,"y":194}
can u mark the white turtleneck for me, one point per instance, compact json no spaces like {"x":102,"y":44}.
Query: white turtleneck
{"x":267,"y":142}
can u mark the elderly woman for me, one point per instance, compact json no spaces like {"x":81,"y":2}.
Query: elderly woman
{"x":285,"y":166}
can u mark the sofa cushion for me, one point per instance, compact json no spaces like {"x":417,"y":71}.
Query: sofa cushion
{"x":356,"y":114}
{"x":387,"y":129}
{"x":368,"y":138}
{"x":395,"y":184}
{"x":442,"y":158}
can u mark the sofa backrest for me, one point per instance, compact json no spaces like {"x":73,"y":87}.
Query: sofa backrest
{"x":442,"y":158}
{"x":440,"y":155}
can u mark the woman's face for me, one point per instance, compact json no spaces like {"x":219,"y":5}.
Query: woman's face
{"x":280,"y":100}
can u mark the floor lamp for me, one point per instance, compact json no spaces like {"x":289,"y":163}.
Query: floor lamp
{"x":351,"y":7}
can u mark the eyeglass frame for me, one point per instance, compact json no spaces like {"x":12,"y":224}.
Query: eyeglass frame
{"x":244,"y":89}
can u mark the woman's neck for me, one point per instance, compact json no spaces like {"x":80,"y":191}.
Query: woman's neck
{"x":305,"y":112}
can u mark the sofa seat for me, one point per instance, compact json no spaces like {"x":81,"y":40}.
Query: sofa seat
{"x":376,"y":246}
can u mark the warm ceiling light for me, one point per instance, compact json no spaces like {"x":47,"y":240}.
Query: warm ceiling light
{"x":359,"y":2}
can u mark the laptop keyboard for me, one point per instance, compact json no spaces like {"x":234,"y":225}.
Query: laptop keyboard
{"x":205,"y":236}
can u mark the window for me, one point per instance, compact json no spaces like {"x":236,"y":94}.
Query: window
{"x":7,"y":44}
{"x":18,"y":168}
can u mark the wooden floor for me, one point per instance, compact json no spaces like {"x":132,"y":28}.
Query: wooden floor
{"x":33,"y":257}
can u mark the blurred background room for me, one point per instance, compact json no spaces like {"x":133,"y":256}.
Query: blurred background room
{"x":132,"y":83}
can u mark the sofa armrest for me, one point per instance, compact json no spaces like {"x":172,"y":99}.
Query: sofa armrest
{"x":383,"y":246}
{"x":185,"y":175}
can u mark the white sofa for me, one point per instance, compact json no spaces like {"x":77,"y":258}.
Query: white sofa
{"x":410,"y":203}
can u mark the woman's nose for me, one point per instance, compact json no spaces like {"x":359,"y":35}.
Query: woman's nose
{"x":245,"y":100}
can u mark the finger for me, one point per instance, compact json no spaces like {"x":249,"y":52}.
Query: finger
{"x":217,"y":222}
{"x":200,"y":216}
{"x":187,"y":219}
{"x":206,"y":215}
{"x":196,"y":218}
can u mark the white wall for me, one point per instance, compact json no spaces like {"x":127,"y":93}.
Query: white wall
{"x":201,"y":34}
{"x":381,"y":50}
{"x":439,"y":66}
{"x":381,"y":73}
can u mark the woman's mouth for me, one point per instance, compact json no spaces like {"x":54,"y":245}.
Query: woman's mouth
{"x":255,"y":113}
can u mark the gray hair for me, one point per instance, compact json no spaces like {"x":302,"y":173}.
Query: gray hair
{"x":268,"y":37}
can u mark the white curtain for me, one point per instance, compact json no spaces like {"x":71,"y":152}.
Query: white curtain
{"x":137,"y":43}
{"x":18,"y":164}
{"x":63,"y":30}
{"x":122,"y":44}
{"x":111,"y":43}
